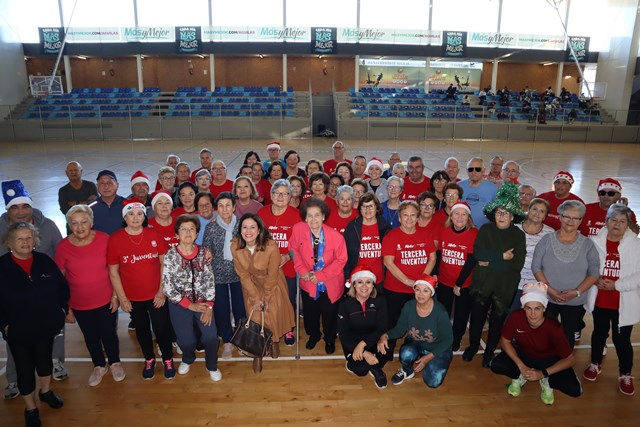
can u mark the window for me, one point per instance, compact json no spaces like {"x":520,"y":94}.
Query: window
{"x":90,"y":13}
{"x":171,"y":13}
{"x":247,"y":13}
{"x":587,"y":18}
{"x":411,"y":14}
{"x":538,"y":18}
{"x":328,"y":13}
{"x":465,"y":15}
{"x":27,"y":15}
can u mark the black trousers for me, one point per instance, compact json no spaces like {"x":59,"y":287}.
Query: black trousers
{"x":314,"y":310}
{"x":460,"y":305}
{"x":99,"y":327}
{"x":496,"y":321}
{"x":566,"y":381}
{"x":603,"y":319}
{"x":570,"y":318}
{"x":395,"y":302}
{"x":31,"y":358}
{"x":144,"y":315}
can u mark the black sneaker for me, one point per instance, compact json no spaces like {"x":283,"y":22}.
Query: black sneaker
{"x":469,"y":352}
{"x":330,"y":347}
{"x":379,"y":378}
{"x":169,"y":370}
{"x":32,"y":418}
{"x":289,"y":339}
{"x":346,"y":366}
{"x":399,"y":377}
{"x":149,"y":369}
{"x":131,"y":326}
{"x":50,"y":398}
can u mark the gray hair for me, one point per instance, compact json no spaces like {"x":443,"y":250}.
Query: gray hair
{"x":446,"y":162}
{"x":7,"y":239}
{"x":205,"y":150}
{"x":166,"y":169}
{"x":398,"y":166}
{"x":338,"y":142}
{"x":84,"y":209}
{"x":528,"y":187}
{"x":282,"y":182}
{"x":218,"y":161}
{"x":203,"y":172}
{"x":504,"y":165}
{"x":416,"y":159}
{"x":174,"y":156}
{"x":395,"y":178}
{"x":618,"y":209}
{"x":572,"y":204}
{"x":475,"y":159}
{"x":344,"y":189}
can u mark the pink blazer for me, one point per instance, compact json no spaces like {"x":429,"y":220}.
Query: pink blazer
{"x":335,"y":257}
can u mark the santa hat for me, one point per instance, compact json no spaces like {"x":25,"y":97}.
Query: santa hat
{"x":374,"y":162}
{"x":131,"y":204}
{"x":14,"y":193}
{"x":610,"y":184}
{"x":535,"y":291}
{"x":160,"y":194}
{"x":563,"y":175}
{"x":137,"y":177}
{"x":273,"y":144}
{"x":461,"y":205}
{"x":428,"y":280}
{"x":361,"y":272}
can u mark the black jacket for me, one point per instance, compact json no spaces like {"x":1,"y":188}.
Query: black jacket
{"x":355,"y":325}
{"x":353,"y":236}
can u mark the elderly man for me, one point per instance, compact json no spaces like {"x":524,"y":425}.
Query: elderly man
{"x":107,"y":210}
{"x":273,"y":154}
{"x":416,"y":182}
{"x":393,"y":159}
{"x":495,"y":171}
{"x":527,"y":194}
{"x":510,"y":173}
{"x":452,"y":167}
{"x":183,"y":173}
{"x":477,"y":192}
{"x":562,"y":183}
{"x":338,"y":149}
{"x":220,"y":182}
{"x":140,"y":188}
{"x":609,"y":192}
{"x":205,"y":162}
{"x":359,"y":166}
{"x":19,"y":206}
{"x":172,"y":162}
{"x":77,"y":191}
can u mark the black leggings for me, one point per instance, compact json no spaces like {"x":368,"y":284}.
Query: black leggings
{"x":395,"y":302}
{"x":460,"y":305}
{"x":29,"y":358}
{"x":478,"y":317}
{"x":141,"y":313}
{"x":313,"y":310}
{"x":570,"y":318}
{"x":604,"y":318}
{"x":99,"y":327}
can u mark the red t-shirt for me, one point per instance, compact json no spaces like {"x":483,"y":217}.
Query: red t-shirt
{"x":544,"y":342}
{"x":433,"y":229}
{"x":371,"y":250}
{"x":24,"y":264}
{"x":553,"y":218}
{"x":411,"y":190}
{"x":595,"y":218}
{"x":329,"y":166}
{"x":192,"y":178}
{"x":456,"y":248}
{"x":86,"y":271}
{"x":338,"y":223}
{"x":610,"y":270}
{"x":411,"y":252}
{"x":139,"y":262}
{"x":333,"y":206}
{"x":217,"y":189}
{"x":176,"y":212}
{"x":440,"y":217}
{"x":263,"y":187}
{"x":280,"y":228}
{"x":168,"y":232}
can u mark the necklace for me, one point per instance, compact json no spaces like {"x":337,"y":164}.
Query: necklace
{"x":132,"y":240}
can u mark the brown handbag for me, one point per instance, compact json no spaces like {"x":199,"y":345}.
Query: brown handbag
{"x":251,"y":338}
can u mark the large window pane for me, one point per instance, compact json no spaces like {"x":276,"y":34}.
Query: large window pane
{"x":531,"y":17}
{"x":247,"y":13}
{"x":91,"y":13}
{"x":26,"y":16}
{"x":601,"y":20}
{"x":466,"y":15}
{"x":328,"y":13}
{"x":153,"y":13}
{"x":414,"y":14}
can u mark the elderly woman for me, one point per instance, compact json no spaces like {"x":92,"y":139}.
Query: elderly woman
{"x":452,"y":195}
{"x":217,"y":238}
{"x":292,"y":159}
{"x":363,"y":236}
{"x":280,"y":218}
{"x":399,"y":170}
{"x":187,"y":281}
{"x":375,"y":183}
{"x":135,"y":256}
{"x":261,"y":184}
{"x":345,"y":170}
{"x":615,"y":300}
{"x":362,"y":319}
{"x":186,"y":199}
{"x":395,"y":186}
{"x":407,"y":255}
{"x":82,"y":258}
{"x":203,"y":181}
{"x":319,"y":187}
{"x":359,"y":189}
{"x":534,"y":230}
{"x":319,"y":258}
{"x":33,"y":305}
{"x":340,"y":217}
{"x":438,"y":181}
{"x":162,"y":222}
{"x":568,"y":262}
{"x":205,"y":204}
{"x":500,"y":249}
{"x":335,"y":181}
{"x":420,"y":318}
{"x":534,"y":348}
{"x":256,"y":258}
{"x":312,"y":167}
{"x":456,"y":265}
{"x":527,"y":193}
{"x":275,"y":171}
{"x":167,"y":182}
{"x":426,"y":224}
{"x":298,"y":189}
{"x":246,"y":195}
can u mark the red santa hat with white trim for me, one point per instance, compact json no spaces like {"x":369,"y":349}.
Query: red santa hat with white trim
{"x":564,"y":175}
{"x":160,"y":194}
{"x":273,"y":144}
{"x":461,"y":205}
{"x":430,"y":281}
{"x":610,"y":184}
{"x":131,"y":204}
{"x":375,"y":162}
{"x":137,"y":177}
{"x":360,"y":272}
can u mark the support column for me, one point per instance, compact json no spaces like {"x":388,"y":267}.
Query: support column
{"x":284,"y":72}
{"x":427,"y":73}
{"x":139,"y":69}
{"x":559,"y":78}
{"x":494,"y":76}
{"x":67,"y":73}
{"x":357,"y":73}
{"x":212,"y":72}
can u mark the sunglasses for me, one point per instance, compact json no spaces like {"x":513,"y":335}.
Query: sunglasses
{"x":474,"y":169}
{"x":608,"y":193}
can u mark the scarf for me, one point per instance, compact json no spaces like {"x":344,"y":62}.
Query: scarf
{"x":228,"y":235}
{"x":319,"y":261}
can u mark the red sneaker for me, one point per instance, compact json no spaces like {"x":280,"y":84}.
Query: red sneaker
{"x":626,"y":384}
{"x":592,"y":371}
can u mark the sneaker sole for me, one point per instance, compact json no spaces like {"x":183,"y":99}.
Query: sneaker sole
{"x":374,"y":381}
{"x":625,"y":393}
{"x":408,"y":377}
{"x":346,"y":367}
{"x":589,"y":379}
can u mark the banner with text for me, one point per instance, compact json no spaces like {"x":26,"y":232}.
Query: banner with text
{"x":188,"y":40}
{"x":390,"y":73}
{"x":580,"y":46}
{"x":454,"y":43}
{"x":51,"y":40}
{"x":323,"y":40}
{"x":256,"y":34}
{"x":93,"y":34}
{"x":389,"y":36}
{"x":148,"y":34}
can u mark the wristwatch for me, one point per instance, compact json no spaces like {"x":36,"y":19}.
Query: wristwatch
{"x":545,"y":373}
{"x":577,"y":293}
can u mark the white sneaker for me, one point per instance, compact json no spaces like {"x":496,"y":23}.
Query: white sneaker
{"x":227,"y":351}
{"x":59,"y":371}
{"x":118,"y":372}
{"x":176,"y":347}
{"x":11,"y":391}
{"x":184,"y":368}
{"x":215,"y":375}
{"x":96,"y":376}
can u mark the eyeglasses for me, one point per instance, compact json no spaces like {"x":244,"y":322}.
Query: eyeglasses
{"x":608,"y":193}
{"x":166,"y":178}
{"x":367,"y":207}
{"x":526,"y":195}
{"x":393,"y":187}
{"x":276,"y":194}
{"x":502,"y":213}
{"x":187,"y":229}
{"x":218,"y":169}
{"x":451,"y":195}
{"x":427,"y":205}
{"x":511,"y":171}
{"x":571,"y":218}
{"x":334,"y":184}
{"x":475,"y":169}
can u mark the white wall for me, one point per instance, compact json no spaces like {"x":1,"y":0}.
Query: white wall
{"x":14,"y":82}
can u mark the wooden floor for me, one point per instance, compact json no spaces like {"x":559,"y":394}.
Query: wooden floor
{"x":317,"y":388}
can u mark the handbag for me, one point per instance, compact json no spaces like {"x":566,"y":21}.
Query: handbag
{"x":251,"y":338}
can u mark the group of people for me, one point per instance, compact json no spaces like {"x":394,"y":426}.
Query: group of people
{"x":378,"y":254}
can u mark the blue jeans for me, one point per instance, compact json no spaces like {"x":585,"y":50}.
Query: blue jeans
{"x":223,"y":308}
{"x":435,"y":371}
{"x":183,"y":320}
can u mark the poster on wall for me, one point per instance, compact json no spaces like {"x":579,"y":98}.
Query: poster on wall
{"x":454,"y":43}
{"x":323,"y":40}
{"x":51,"y":40}
{"x":465,"y":76}
{"x":188,"y":40}
{"x":390,"y":74}
{"x":580,"y":46}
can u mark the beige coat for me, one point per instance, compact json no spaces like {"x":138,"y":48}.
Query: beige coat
{"x":263,"y":280}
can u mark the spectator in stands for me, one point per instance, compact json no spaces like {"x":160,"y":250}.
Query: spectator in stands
{"x":206,"y":214}
{"x":565,"y":95}
{"x":77,"y":191}
{"x":140,"y":189}
{"x":393,"y":159}
{"x":510,"y":173}
{"x":345,"y":170}
{"x":438,"y":181}
{"x":609,"y":193}
{"x":526,"y":107}
{"x":339,"y":218}
{"x":220,"y":182}
{"x":376,"y":184}
{"x":494,"y":174}
{"x":359,"y":167}
{"x":542,"y":114}
{"x":206,"y":157}
{"x":482,"y":96}
{"x":465,"y":100}
{"x":298,"y":190}
{"x":246,"y":195}
{"x":527,"y":193}
{"x":203,"y":181}
{"x":183,"y":173}
{"x":562,"y":183}
{"x":452,"y":167}
{"x":415,"y":183}
{"x":330,"y":165}
{"x":335,"y":181}
{"x":273,"y":152}
{"x":167,"y":181}
{"x":451,"y":93}
{"x":107,"y":210}
{"x":187,"y":198}
{"x":572,"y":116}
{"x":251,"y":157}
{"x":549,"y":93}
{"x":477,"y":191}
{"x":390,"y":207}
{"x":292,"y":159}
